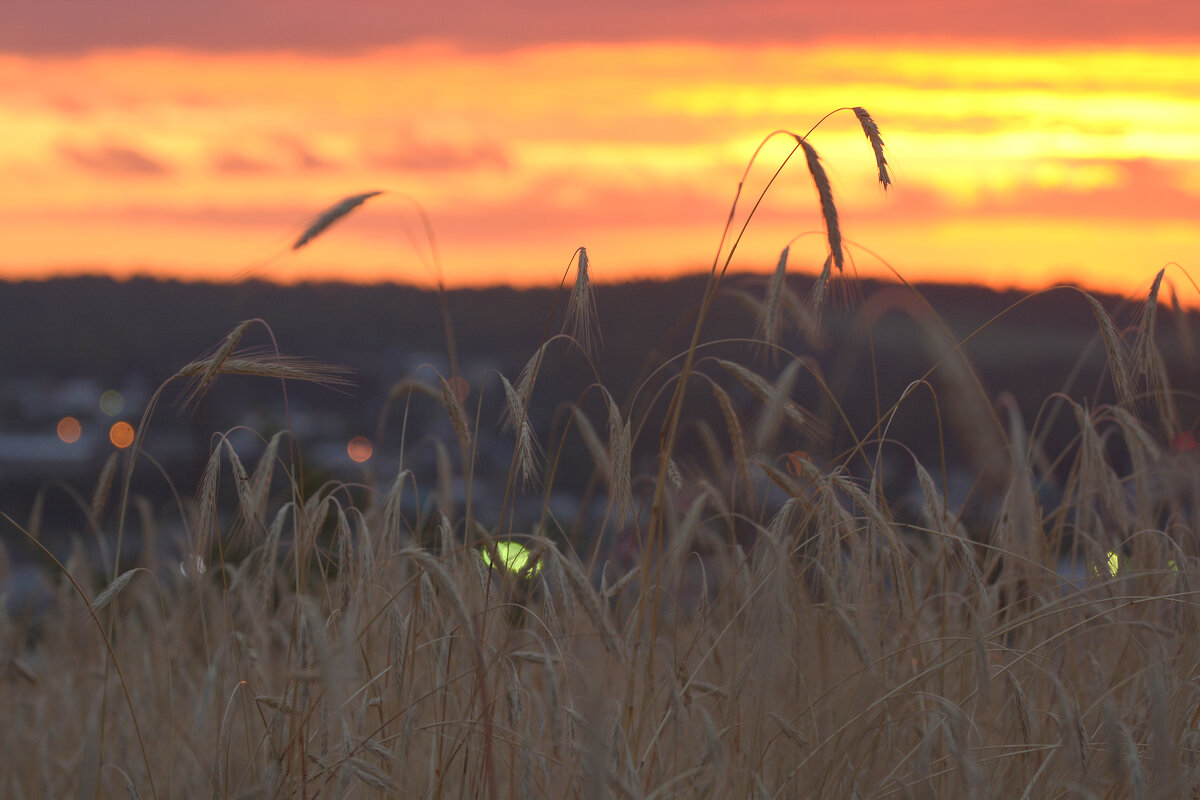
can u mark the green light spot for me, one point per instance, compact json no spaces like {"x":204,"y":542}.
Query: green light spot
{"x":1113,"y":559}
{"x":513,"y":556}
{"x":112,"y":403}
{"x":1112,"y":564}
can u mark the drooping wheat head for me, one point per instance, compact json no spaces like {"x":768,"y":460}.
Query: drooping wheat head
{"x":331,"y":215}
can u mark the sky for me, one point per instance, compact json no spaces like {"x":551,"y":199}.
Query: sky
{"x":1030,"y":142}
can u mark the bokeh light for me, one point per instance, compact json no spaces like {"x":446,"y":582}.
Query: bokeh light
{"x":112,"y":403}
{"x":193,"y":566}
{"x":514,"y":557}
{"x":1114,"y":563}
{"x":121,"y":434}
{"x":360,"y":449}
{"x":69,"y":430}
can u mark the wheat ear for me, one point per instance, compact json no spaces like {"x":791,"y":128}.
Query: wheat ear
{"x":872,"y":131}
{"x":1115,"y":349}
{"x":620,"y":454}
{"x":458,"y":417}
{"x":330,"y":216}
{"x":527,"y":446}
{"x":769,"y":320}
{"x":581,"y":308}
{"x":209,"y":368}
{"x":825,"y":192}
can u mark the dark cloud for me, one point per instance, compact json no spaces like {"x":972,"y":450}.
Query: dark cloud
{"x":340,"y":25}
{"x":114,"y":160}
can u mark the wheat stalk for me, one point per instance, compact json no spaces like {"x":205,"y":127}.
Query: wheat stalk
{"x":209,"y":368}
{"x":1150,"y":364}
{"x":619,"y":462}
{"x":113,"y":589}
{"x":586,"y":596}
{"x":273,"y":366}
{"x":260,"y":482}
{"x":581,"y":308}
{"x":1114,"y":348}
{"x":458,"y":417}
{"x":816,"y":297}
{"x":769,"y":319}
{"x":775,"y":405}
{"x":527,"y":446}
{"x":591,"y":440}
{"x":825,"y":193}
{"x":330,"y":216}
{"x":206,"y":527}
{"x":737,"y":438}
{"x":103,"y":488}
{"x":776,"y":397}
{"x":873,"y":136}
{"x":447,"y":588}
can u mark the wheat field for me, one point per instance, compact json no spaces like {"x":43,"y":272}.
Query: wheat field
{"x":772,"y":627}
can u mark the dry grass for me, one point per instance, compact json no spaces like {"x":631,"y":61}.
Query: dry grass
{"x":779,"y":629}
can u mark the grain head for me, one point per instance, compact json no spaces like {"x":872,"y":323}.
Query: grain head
{"x":873,"y":136}
{"x":828,"y":209}
{"x":581,"y":308}
{"x":331,"y":215}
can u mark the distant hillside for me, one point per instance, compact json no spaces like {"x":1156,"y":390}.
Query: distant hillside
{"x":106,"y":328}
{"x":139,"y":332}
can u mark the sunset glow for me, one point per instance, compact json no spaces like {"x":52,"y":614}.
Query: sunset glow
{"x":1014,"y":167}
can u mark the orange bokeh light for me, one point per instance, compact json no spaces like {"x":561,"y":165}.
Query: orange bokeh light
{"x":360,"y":449}
{"x":69,"y":430}
{"x":121,"y":434}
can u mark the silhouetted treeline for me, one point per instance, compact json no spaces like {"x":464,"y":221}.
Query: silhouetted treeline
{"x":108,"y":330}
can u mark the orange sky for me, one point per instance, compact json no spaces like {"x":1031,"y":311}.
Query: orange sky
{"x":1012,"y":165}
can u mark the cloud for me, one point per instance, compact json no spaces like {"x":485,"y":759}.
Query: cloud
{"x":337,"y":25}
{"x":423,"y":157}
{"x":559,"y":203}
{"x":114,"y":160}
{"x":1145,"y":189}
{"x":290,"y":154}
{"x":236,"y":164}
{"x":306,"y":159}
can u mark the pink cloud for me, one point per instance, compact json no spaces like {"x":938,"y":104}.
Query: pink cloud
{"x":416,"y":156}
{"x":1146,"y":189}
{"x":114,"y":160}
{"x":234,"y":163}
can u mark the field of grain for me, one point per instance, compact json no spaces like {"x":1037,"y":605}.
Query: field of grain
{"x":756,"y":621}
